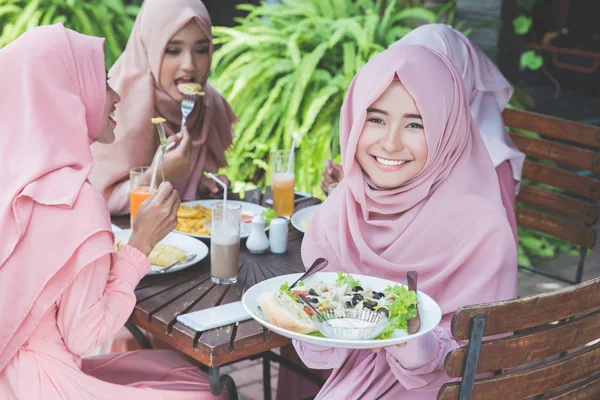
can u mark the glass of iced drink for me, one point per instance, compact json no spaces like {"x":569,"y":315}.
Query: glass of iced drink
{"x":282,"y":182}
{"x":141,"y":189}
{"x":225,"y":242}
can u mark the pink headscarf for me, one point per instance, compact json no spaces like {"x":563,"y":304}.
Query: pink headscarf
{"x":57,"y":84}
{"x":488,"y":92}
{"x":135,"y":77}
{"x":435,"y":222}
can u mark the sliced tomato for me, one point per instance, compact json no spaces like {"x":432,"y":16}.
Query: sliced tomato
{"x":246,"y":219}
{"x":308,"y":310}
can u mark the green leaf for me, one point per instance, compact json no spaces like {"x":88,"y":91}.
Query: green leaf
{"x":530,"y":59}
{"x":346,"y":279}
{"x":522,"y":24}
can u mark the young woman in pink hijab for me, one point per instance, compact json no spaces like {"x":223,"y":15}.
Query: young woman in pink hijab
{"x":171,"y":43}
{"x":420,"y":193}
{"x":63,"y":289}
{"x":488,"y":93}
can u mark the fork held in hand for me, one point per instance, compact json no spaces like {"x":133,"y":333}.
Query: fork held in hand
{"x":187,"y":105}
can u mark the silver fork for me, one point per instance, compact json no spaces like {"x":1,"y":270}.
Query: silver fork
{"x":187,"y":105}
{"x":189,"y":257}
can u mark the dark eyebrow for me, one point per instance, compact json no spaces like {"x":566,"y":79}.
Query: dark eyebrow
{"x":413,"y":116}
{"x":377,"y":110}
{"x":180,"y":42}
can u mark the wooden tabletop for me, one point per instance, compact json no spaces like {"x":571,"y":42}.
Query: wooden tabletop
{"x":161,"y":298}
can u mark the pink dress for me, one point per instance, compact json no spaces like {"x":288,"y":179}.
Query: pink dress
{"x":98,"y":302}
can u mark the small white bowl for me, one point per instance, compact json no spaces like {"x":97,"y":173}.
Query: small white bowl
{"x":378,"y":322}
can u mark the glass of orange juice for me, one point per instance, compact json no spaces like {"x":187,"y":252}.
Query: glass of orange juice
{"x":140,"y":190}
{"x":282,"y":182}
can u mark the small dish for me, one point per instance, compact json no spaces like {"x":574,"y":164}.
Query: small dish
{"x":351,"y":324}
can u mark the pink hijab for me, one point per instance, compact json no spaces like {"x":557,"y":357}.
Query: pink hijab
{"x":48,"y":211}
{"x":488,"y":92}
{"x":436,"y":222}
{"x":135,"y":77}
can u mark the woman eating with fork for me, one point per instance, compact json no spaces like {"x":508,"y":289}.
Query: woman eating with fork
{"x":170,"y":44}
{"x":63,"y":288}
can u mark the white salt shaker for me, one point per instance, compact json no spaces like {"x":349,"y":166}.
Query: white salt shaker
{"x":278,"y":235}
{"x":257,"y":242}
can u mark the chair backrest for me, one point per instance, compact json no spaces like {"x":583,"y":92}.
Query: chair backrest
{"x":541,"y":339}
{"x":560,"y":155}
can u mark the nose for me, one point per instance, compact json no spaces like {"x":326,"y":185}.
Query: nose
{"x":391,"y":142}
{"x":187,"y":63}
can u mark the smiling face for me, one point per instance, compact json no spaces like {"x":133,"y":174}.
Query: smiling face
{"x":392,"y":148}
{"x":107,"y":129}
{"x":185,"y":60}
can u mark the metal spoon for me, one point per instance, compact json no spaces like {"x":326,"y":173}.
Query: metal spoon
{"x":316,"y":266}
{"x":190,"y":257}
{"x":309,"y":304}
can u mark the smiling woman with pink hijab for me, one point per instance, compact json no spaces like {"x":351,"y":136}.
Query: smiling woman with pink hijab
{"x":488,"y":93}
{"x":419,"y":194}
{"x":171,"y":43}
{"x":63,"y":289}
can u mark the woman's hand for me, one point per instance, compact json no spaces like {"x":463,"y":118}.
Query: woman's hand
{"x":208,"y":188}
{"x":378,"y":349}
{"x":156,"y":217}
{"x":333,"y":173}
{"x":179,"y":159}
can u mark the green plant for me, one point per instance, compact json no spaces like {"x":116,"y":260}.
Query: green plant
{"x":286,"y":68}
{"x":112,"y":19}
{"x":522,"y":25}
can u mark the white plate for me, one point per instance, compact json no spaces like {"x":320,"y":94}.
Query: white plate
{"x":114,"y":228}
{"x":301,"y":219}
{"x":429,"y":311}
{"x":247,"y":208}
{"x":185,"y":243}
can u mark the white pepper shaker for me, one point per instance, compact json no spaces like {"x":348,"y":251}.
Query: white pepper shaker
{"x":257,"y":242}
{"x":278,"y":235}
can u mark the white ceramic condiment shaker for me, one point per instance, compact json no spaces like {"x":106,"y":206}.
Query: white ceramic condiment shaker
{"x":278,"y":235}
{"x":257,"y":242}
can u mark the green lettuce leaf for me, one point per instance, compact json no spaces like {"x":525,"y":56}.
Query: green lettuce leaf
{"x":403,"y":308}
{"x":346,"y":279}
{"x":285,"y":288}
{"x":269,"y":215}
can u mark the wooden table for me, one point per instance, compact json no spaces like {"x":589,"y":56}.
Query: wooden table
{"x":161,"y":298}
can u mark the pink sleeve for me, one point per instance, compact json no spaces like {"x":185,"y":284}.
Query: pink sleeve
{"x":100,"y":300}
{"x":317,"y":357}
{"x":420,"y":363}
{"x":118,"y":202}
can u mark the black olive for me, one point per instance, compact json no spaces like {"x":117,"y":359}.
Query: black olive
{"x":354,"y":301}
{"x":357,"y":297}
{"x":370,"y":304}
{"x":312,"y":292}
{"x":357,"y":289}
{"x":377,"y":295}
{"x":348,"y":304}
{"x":384,"y":311}
{"x":313,"y":299}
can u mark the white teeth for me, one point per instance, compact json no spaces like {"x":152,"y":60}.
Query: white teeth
{"x":389,"y":162}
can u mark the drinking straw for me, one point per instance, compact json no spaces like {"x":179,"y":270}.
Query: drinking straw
{"x":224,"y":186}
{"x":291,"y":156}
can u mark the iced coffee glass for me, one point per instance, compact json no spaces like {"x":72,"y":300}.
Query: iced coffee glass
{"x":282,"y":182}
{"x":225,"y":242}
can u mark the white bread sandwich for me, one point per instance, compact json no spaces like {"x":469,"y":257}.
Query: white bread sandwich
{"x":281,"y":310}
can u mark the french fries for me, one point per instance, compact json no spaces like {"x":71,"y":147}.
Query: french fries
{"x":194,"y":220}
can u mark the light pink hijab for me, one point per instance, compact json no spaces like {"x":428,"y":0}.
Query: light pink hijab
{"x":488,"y":92}
{"x":135,"y":77}
{"x":57,"y":84}
{"x":437,"y":221}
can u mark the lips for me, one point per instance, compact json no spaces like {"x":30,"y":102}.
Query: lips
{"x":185,"y":79}
{"x":111,"y":116}
{"x":388,"y":164}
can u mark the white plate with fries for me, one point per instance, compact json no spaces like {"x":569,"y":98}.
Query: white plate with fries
{"x":174,"y":247}
{"x":193,"y":217}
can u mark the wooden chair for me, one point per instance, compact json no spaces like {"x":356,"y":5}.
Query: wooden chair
{"x":575,"y":376}
{"x":566,"y":156}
